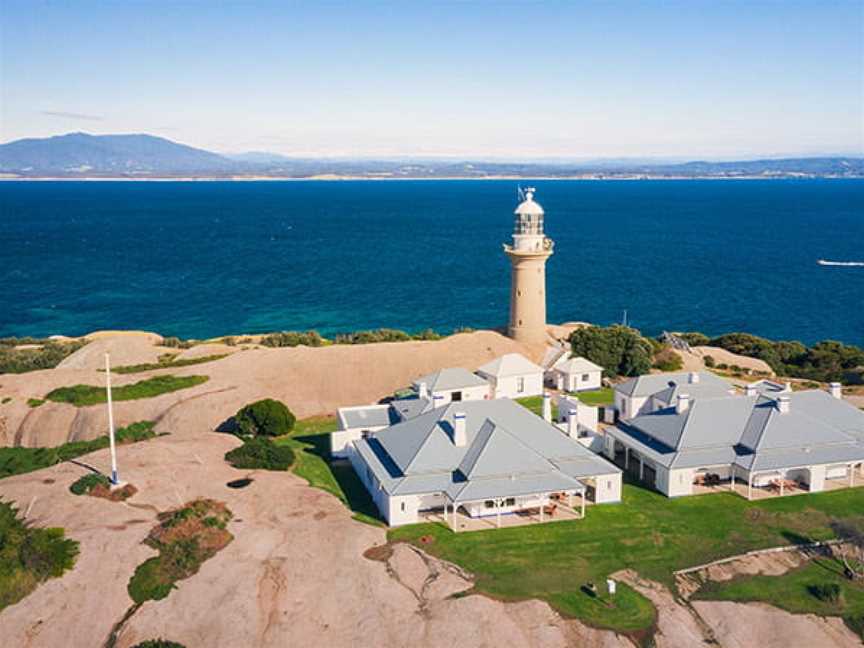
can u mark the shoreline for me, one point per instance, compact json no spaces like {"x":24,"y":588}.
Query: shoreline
{"x":329,"y":178}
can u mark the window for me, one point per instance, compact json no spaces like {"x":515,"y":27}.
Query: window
{"x":511,"y":501}
{"x":368,"y":476}
{"x":585,"y":377}
{"x":403,"y":506}
{"x":365,"y":434}
{"x":520,"y":384}
{"x":608,"y":485}
{"x":456,"y":396}
{"x":489,"y":504}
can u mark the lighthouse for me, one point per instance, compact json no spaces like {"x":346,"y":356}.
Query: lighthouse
{"x":528,"y":255}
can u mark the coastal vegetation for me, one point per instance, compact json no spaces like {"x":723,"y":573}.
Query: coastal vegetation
{"x":29,"y":555}
{"x":167,"y":361}
{"x":818,"y":587}
{"x":84,"y":395}
{"x":267,"y":417}
{"x":16,"y":461}
{"x":158,"y":643}
{"x":646,"y":532}
{"x":184,"y":537}
{"x":314,"y":339}
{"x":260,"y":453}
{"x":620,"y":350}
{"x":36,"y":353}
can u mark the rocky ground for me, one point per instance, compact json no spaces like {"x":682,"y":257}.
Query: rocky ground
{"x":300,"y":570}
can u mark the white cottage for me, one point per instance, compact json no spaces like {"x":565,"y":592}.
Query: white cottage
{"x":574,"y":374}
{"x":513,"y":376}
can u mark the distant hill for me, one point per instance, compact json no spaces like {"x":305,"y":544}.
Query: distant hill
{"x":79,"y":155}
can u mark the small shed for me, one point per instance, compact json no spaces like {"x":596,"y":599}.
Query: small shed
{"x":513,"y":376}
{"x":575,"y":374}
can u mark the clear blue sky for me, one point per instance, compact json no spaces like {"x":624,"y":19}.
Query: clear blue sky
{"x":491,"y":79}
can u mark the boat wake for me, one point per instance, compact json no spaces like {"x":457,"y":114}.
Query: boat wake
{"x":859,"y":264}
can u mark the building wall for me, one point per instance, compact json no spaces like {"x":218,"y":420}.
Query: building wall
{"x":480,"y":392}
{"x":403,"y":509}
{"x":528,"y":296}
{"x":574,"y":382}
{"x":607,"y":488}
{"x":379,"y":496}
{"x":341,"y":440}
{"x":629,"y":407}
{"x":507,"y":386}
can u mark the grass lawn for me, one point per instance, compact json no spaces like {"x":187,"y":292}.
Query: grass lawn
{"x":597,"y":397}
{"x":311,"y":447}
{"x":167,"y":362}
{"x":535,"y":404}
{"x":647,"y":532}
{"x":795,"y":591}
{"x":84,"y":395}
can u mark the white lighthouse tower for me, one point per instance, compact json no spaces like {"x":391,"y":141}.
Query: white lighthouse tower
{"x":528,"y":256}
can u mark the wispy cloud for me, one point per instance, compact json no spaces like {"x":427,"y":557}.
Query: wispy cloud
{"x":72,"y":115}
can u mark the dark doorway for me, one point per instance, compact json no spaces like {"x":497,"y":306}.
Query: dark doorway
{"x":456,"y":397}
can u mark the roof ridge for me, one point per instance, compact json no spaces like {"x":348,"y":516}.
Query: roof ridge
{"x":420,"y":446}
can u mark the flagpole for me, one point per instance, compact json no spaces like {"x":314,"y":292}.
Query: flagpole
{"x":114,"y":479}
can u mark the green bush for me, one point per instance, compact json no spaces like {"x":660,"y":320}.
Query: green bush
{"x":292,"y":339}
{"x":83,"y":485}
{"x":709,"y":361}
{"x":35,"y":402}
{"x":167,"y":361}
{"x":177,"y":343}
{"x":855,"y":623}
{"x":84,"y":395}
{"x":16,"y":461}
{"x":668,"y":360}
{"x":148,"y":583}
{"x":259,"y":452}
{"x":47,"y":356}
{"x":266,"y":417}
{"x":29,"y":555}
{"x":826,"y":592}
{"x":694,"y":338}
{"x":158,"y":643}
{"x":620,"y":350}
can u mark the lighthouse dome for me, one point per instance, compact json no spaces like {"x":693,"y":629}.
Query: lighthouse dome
{"x":528,"y":207}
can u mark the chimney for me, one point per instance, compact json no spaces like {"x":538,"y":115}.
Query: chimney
{"x":694,"y":377}
{"x":682,"y":404}
{"x":422,"y":390}
{"x":783,"y":403}
{"x":836,"y":390}
{"x":547,"y":407}
{"x":436,"y":401}
{"x":750,"y":390}
{"x":572,"y":423}
{"x":460,"y":437}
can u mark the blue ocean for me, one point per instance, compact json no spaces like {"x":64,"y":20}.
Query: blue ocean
{"x":203,"y":259}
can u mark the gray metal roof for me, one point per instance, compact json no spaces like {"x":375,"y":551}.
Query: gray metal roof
{"x":651,"y":384}
{"x":372,"y":416}
{"x":510,"y":364}
{"x":750,"y":431}
{"x":408,"y":408}
{"x":449,"y":379}
{"x":504,"y":441}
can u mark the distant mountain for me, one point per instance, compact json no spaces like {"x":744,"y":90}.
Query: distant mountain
{"x":78,"y":155}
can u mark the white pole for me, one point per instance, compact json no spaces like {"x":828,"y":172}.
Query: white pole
{"x":114,"y":478}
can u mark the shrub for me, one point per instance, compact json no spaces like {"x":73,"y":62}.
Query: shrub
{"x":370,"y":337}
{"x":46,"y":356}
{"x":709,"y":361}
{"x":83,"y":485}
{"x":29,"y":555}
{"x":177,"y":343}
{"x":35,"y":402}
{"x":826,"y":592}
{"x":158,"y":643}
{"x":84,"y":395}
{"x":6,"y":399}
{"x":723,"y":366}
{"x":266,"y":417}
{"x":668,"y":360}
{"x":293,"y":339}
{"x":694,"y":338}
{"x":259,"y":452}
{"x":620,"y":350}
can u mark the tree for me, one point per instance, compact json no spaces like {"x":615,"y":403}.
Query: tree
{"x":852,"y":549}
{"x":260,"y":453}
{"x":266,"y":417}
{"x":620,"y":350}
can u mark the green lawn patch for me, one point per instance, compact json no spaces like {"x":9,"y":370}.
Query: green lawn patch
{"x":819,"y":587}
{"x":535,"y":404}
{"x":29,"y":555}
{"x":311,"y":447}
{"x":168,"y":361}
{"x":35,"y":402}
{"x":84,"y":395}
{"x":647,"y":532}
{"x":16,"y":461}
{"x":185,"y":538}
{"x":597,"y":397}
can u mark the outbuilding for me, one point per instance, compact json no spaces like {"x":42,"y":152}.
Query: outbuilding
{"x":513,"y":376}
